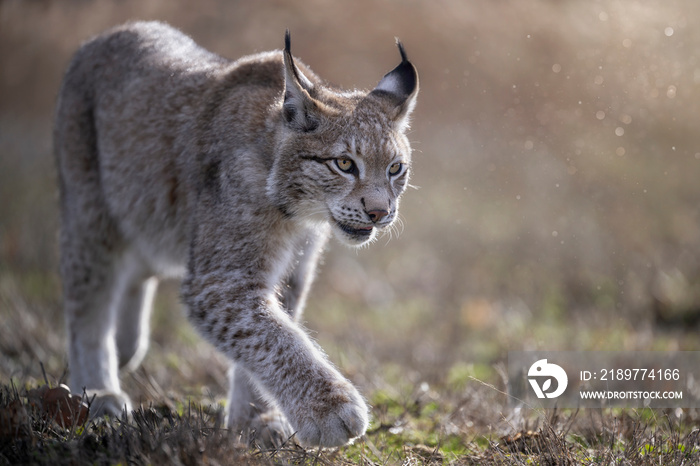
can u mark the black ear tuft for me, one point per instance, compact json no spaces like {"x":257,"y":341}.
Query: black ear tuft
{"x":298,"y":105}
{"x":399,"y":86}
{"x":402,"y":51}
{"x":402,"y":81}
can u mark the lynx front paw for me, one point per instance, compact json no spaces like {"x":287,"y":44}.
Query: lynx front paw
{"x":108,"y":403}
{"x":333,"y":419}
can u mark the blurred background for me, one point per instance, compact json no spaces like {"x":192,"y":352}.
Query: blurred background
{"x":557,"y":167}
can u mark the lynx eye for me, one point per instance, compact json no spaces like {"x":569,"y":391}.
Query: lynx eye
{"x":345,"y":165}
{"x":395,"y":168}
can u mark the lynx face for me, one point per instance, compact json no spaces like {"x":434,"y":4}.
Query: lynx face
{"x":354,"y":183}
{"x":349,"y":151}
{"x":363,"y":180}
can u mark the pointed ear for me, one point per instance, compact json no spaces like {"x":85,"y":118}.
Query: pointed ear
{"x":298,"y":104}
{"x":399,"y":88}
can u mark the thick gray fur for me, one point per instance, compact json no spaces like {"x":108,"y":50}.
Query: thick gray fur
{"x":174,"y":162}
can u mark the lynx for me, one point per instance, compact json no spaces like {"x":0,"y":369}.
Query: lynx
{"x":174,"y":162}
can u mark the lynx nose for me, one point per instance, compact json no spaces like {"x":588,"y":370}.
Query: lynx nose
{"x":377,"y":215}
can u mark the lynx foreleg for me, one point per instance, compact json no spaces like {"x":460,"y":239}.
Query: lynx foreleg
{"x":323,"y":408}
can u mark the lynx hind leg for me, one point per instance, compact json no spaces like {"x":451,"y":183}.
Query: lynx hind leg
{"x":90,"y":245}
{"x":251,"y":416}
{"x":107,"y":305}
{"x":90,"y":281}
{"x":133,"y":315}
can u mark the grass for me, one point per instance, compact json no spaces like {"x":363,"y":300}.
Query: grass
{"x":421,"y":429}
{"x":455,"y":414}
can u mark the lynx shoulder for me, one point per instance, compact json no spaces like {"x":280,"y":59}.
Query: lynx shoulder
{"x":232,"y":175}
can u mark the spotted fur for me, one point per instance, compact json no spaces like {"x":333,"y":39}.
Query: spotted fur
{"x":176,"y":162}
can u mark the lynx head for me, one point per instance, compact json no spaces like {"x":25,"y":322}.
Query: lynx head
{"x":343,"y":157}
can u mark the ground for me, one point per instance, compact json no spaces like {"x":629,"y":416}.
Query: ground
{"x":453,"y":414}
